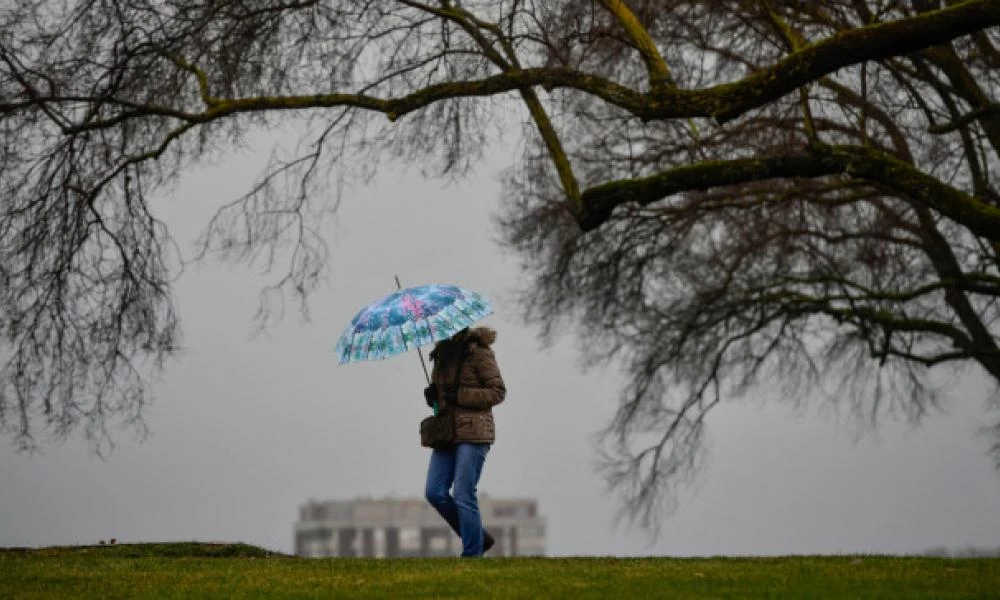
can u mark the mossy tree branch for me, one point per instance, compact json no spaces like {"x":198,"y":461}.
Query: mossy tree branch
{"x":659,"y":73}
{"x":853,"y":161}
{"x":723,"y":102}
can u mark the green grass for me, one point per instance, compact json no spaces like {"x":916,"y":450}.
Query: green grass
{"x":195,"y":570}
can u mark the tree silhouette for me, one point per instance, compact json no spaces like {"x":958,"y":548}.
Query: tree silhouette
{"x":718,"y":193}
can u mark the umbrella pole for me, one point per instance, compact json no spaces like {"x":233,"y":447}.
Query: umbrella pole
{"x":424,"y":365}
{"x":419,"y":353}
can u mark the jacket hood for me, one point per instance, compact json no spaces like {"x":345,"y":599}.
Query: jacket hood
{"x":481,"y":336}
{"x":484,"y":336}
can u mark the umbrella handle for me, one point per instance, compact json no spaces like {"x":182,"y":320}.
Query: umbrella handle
{"x":419,"y":353}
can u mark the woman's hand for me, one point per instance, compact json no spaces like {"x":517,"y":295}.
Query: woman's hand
{"x":431,"y":394}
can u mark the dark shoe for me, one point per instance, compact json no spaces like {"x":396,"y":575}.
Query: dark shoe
{"x":488,"y":541}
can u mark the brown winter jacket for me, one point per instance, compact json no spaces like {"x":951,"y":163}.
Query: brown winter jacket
{"x":481,"y":386}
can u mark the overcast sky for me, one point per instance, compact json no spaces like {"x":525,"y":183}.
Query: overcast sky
{"x":245,"y":429}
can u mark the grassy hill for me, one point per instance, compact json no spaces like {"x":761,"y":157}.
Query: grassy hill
{"x":199,"y":570}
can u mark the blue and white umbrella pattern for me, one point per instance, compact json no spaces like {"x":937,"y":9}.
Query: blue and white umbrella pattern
{"x":410,"y":318}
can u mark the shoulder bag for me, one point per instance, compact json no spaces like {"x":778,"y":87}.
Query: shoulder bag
{"x":438,"y":431}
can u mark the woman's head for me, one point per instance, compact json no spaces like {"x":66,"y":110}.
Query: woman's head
{"x":446,"y":347}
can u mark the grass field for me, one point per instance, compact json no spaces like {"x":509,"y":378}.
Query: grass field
{"x":194,"y":570}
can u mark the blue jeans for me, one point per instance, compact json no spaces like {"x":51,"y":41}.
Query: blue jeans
{"x":462,"y":464}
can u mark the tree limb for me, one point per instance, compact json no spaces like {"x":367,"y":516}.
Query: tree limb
{"x":659,"y":74}
{"x":855,"y":161}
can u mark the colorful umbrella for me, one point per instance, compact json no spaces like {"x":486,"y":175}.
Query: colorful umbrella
{"x":410,"y":318}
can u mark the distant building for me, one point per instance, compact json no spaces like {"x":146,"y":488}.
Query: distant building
{"x":967,"y":552}
{"x":411,"y":527}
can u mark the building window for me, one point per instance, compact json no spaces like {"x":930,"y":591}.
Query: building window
{"x":536,"y":531}
{"x":409,"y":539}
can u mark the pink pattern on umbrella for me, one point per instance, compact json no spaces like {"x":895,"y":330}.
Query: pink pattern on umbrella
{"x":413,"y":306}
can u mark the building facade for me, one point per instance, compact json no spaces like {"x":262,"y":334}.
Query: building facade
{"x":411,"y":527}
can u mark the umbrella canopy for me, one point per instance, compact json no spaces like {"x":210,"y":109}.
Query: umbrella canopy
{"x":410,"y":318}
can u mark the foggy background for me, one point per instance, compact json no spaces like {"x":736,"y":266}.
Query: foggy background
{"x":246,"y":428}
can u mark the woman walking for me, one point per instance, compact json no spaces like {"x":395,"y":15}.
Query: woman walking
{"x":466,"y":380}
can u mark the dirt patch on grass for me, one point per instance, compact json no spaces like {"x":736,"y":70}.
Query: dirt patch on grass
{"x":156,"y":550}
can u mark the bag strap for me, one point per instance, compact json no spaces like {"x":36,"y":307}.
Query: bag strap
{"x":458,"y":380}
{"x":458,"y":376}
{"x":458,"y":370}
